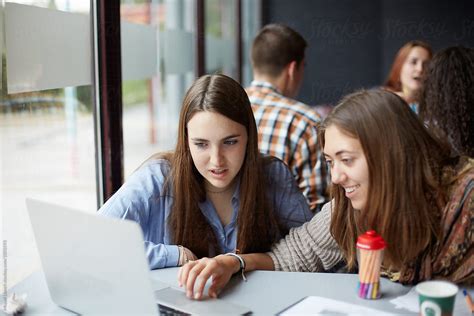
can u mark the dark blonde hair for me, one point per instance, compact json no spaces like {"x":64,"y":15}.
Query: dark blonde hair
{"x":256,"y":221}
{"x":393,"y":82}
{"x":405,"y":176}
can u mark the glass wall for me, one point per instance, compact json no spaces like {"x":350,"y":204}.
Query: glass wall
{"x":160,"y":35}
{"x":220,"y":33}
{"x":251,"y":24}
{"x":46,"y":121}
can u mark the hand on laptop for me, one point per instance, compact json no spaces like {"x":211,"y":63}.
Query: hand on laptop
{"x":194,"y":275}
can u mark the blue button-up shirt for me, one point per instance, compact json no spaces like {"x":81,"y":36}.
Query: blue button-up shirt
{"x":143,"y":199}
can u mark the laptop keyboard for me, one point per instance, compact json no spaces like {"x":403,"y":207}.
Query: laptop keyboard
{"x":168,"y":311}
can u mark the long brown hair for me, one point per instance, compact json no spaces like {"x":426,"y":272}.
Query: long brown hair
{"x":405,"y":161}
{"x":256,"y":221}
{"x":393,"y":82}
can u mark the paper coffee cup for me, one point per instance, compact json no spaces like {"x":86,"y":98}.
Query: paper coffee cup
{"x":436,"y":298}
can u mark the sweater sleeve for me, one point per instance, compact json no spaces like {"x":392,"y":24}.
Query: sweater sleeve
{"x":308,"y":248}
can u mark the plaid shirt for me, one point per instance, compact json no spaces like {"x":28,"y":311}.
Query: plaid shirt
{"x":287,"y":130}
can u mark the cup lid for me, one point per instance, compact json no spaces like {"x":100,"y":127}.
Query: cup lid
{"x":370,"y":241}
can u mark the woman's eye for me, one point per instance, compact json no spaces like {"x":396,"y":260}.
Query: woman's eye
{"x":200,"y":145}
{"x":329,"y":163}
{"x":230,"y":142}
{"x":347,"y":161}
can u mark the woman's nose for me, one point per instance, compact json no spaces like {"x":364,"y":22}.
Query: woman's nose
{"x":216,"y":156}
{"x":419,"y":66}
{"x":337,"y":176}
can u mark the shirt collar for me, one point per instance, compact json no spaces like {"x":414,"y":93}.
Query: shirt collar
{"x":265,"y":84}
{"x":206,"y":207}
{"x":236,"y":194}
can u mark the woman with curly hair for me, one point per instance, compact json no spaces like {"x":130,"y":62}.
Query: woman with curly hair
{"x":447,"y":103}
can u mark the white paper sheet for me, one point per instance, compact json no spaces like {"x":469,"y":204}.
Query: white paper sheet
{"x":316,"y":305}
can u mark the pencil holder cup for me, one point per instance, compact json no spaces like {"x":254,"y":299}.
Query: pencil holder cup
{"x":370,"y":247}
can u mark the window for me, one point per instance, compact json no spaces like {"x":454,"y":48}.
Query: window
{"x":46,"y":120}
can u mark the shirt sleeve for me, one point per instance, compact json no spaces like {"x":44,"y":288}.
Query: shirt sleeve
{"x":141,"y":199}
{"x":308,"y":164}
{"x":289,"y":203}
{"x":308,"y":248}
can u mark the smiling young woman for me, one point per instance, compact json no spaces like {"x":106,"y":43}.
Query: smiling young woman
{"x":348,"y":166}
{"x":215,"y":193}
{"x":390,"y":175}
{"x":404,"y":170}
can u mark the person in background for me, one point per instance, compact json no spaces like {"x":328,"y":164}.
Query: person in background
{"x":286,"y":128}
{"x":447,"y":100}
{"x":388,"y":174}
{"x":406,"y":75}
{"x":215,"y":193}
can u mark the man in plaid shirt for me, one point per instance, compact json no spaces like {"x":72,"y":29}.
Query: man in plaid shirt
{"x":287,"y":128}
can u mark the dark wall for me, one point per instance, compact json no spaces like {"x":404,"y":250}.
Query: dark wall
{"x":352,"y":43}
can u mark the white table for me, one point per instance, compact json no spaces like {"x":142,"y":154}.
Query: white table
{"x":265,"y":293}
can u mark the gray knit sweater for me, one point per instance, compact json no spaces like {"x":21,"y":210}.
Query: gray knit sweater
{"x":308,"y":248}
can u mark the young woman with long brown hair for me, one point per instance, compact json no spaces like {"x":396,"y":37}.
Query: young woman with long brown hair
{"x":389,"y":174}
{"x":215,"y":193}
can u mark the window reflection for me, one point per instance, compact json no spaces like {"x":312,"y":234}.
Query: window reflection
{"x":46,"y":139}
{"x":151,"y":106}
{"x":221,"y":37}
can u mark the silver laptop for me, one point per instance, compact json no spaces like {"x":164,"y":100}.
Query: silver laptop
{"x":96,"y":265}
{"x":92,"y":264}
